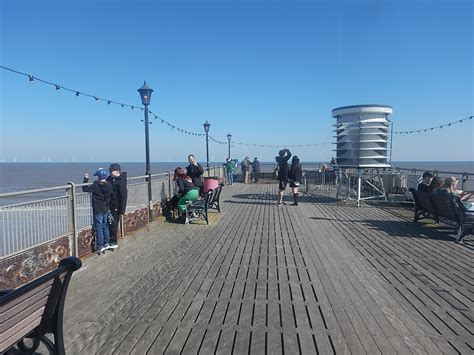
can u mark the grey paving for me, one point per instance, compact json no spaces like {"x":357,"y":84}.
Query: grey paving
{"x":322,"y":278}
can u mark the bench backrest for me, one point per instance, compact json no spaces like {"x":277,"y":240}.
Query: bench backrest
{"x":423,"y":201}
{"x":445,"y":207}
{"x":215,"y":196}
{"x":36,"y":305}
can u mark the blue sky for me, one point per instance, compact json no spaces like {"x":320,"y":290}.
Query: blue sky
{"x":269,"y":72}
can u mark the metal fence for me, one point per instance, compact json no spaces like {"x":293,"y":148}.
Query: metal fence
{"x":28,"y":224}
{"x":388,"y":185}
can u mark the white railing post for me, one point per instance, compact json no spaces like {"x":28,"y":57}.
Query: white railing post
{"x":72,"y":222}
{"x":169,"y":185}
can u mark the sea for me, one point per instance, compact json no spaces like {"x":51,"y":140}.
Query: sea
{"x":29,"y":176}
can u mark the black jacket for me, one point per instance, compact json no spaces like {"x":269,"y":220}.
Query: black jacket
{"x":256,"y":166}
{"x":195,"y":173}
{"x":295,"y":174}
{"x":101,"y":193}
{"x":118,"y":200}
{"x":283,"y":168}
{"x":184,"y":186}
{"x":424,"y":188}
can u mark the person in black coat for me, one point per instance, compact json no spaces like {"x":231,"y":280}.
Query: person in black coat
{"x":118,"y":200}
{"x":295,"y":177}
{"x":424,"y":185}
{"x":255,"y":169}
{"x":195,"y":171}
{"x":101,"y":191}
{"x":282,"y":159}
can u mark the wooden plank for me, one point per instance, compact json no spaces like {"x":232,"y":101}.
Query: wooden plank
{"x":326,"y":276}
{"x":242,"y":341}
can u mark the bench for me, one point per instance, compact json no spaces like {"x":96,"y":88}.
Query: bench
{"x":36,"y":309}
{"x":199,"y":208}
{"x":449,"y":208}
{"x":263,"y":176}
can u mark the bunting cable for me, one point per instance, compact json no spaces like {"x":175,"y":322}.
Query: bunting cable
{"x":78,"y":93}
{"x":424,"y":130}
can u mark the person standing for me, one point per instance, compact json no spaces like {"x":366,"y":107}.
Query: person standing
{"x":101,"y":191}
{"x":295,"y":176}
{"x":255,"y":169}
{"x":282,"y":159}
{"x":118,"y":201}
{"x":230,"y":166}
{"x":195,"y":171}
{"x":245,"y":165}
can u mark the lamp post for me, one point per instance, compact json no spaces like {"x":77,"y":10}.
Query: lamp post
{"x":229,"y":137}
{"x":207,"y":125}
{"x":145,"y":94}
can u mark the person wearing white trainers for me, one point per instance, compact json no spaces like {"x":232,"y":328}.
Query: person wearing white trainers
{"x":118,"y":201}
{"x":283,"y":169}
{"x":101,"y":191}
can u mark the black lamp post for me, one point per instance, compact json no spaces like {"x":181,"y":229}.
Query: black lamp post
{"x":145,"y":94}
{"x":207,"y":125}
{"x":229,"y":137}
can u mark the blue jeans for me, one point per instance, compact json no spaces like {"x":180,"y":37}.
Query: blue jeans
{"x":230,"y":177}
{"x":101,"y":230}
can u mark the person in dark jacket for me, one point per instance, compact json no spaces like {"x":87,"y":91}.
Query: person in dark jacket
{"x":118,"y":201}
{"x":255,"y":169}
{"x":195,"y":171}
{"x":282,"y":159}
{"x":101,"y":192}
{"x":424,"y":186}
{"x":295,"y":176}
{"x":245,"y":165}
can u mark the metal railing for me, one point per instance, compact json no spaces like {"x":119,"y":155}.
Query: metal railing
{"x":28,"y":224}
{"x":374,"y":184}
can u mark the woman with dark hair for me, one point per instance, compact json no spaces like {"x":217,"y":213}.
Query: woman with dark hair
{"x":186,"y":190}
{"x":295,"y":176}
{"x":435,"y":184}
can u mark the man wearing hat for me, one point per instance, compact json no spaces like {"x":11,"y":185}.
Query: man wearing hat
{"x":118,"y":200}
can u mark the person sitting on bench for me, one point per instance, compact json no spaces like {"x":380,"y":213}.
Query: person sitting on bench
{"x":187,"y":191}
{"x":424,"y":185}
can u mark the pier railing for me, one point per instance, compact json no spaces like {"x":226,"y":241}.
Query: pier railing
{"x":67,"y":217}
{"x":388,"y":185}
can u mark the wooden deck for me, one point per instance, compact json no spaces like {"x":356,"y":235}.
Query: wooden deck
{"x":322,"y":278}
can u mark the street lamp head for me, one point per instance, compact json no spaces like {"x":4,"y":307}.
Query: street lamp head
{"x":145,"y":94}
{"x":229,"y":136}
{"x":206,"y":126}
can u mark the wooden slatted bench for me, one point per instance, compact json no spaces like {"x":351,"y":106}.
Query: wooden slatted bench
{"x":214,"y":202}
{"x":36,"y":309}
{"x":449,"y":208}
{"x":263,"y":176}
{"x":200,"y":208}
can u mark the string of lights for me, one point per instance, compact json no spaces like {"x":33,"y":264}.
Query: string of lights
{"x":174,"y":127}
{"x":32,"y":79}
{"x":425,"y":130}
{"x":78,"y":93}
{"x":280,"y":145}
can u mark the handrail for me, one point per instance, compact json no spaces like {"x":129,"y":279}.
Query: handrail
{"x":46,"y":218}
{"x":438,"y":171}
{"x":26,"y":192}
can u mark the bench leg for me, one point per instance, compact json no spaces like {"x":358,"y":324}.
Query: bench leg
{"x":417,"y":215}
{"x":460,"y":234}
{"x":29,"y":350}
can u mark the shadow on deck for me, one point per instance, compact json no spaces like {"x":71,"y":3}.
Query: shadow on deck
{"x":318,"y":278}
